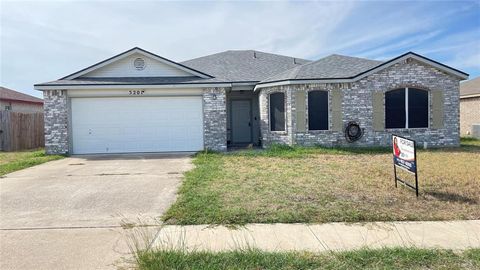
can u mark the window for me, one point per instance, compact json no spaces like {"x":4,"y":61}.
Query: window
{"x":277,"y":112}
{"x":318,"y":110}
{"x":395,"y":109}
{"x":406,"y":108}
{"x":417,"y":108}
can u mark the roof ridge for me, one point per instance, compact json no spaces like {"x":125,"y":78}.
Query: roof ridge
{"x":249,"y":50}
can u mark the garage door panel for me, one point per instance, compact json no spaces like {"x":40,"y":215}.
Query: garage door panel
{"x":140,"y":124}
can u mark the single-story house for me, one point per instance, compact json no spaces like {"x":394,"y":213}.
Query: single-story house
{"x":469,"y":105}
{"x":14,"y":101}
{"x":138,"y":101}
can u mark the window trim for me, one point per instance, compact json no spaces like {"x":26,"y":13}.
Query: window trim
{"x":8,"y":107}
{"x":407,"y":107}
{"x":284,"y":131}
{"x":307,"y":112}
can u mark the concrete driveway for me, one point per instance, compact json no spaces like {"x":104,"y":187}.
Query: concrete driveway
{"x":67,"y":214}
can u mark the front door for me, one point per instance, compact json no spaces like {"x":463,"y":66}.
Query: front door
{"x":241,"y":121}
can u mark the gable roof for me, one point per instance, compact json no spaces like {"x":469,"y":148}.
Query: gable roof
{"x":134,"y":50}
{"x":230,"y":68}
{"x":244,"y":65}
{"x":470,"y":88}
{"x":341,"y":70}
{"x":12,"y":95}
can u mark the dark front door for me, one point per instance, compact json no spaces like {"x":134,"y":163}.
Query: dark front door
{"x":241,"y":121}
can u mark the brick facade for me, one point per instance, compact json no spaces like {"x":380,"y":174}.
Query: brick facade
{"x":357,"y":105}
{"x":469,"y":114}
{"x":57,"y":130}
{"x":56,"y":121}
{"x":215,"y":118}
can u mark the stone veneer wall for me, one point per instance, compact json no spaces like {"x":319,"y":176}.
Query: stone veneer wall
{"x":268,"y":136}
{"x":215,"y":118}
{"x":56,"y":121}
{"x":357,"y":105}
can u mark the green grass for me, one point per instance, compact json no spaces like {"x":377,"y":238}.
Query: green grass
{"x":469,"y":141}
{"x":317,"y":185}
{"x":14,"y":161}
{"x":393,"y":258}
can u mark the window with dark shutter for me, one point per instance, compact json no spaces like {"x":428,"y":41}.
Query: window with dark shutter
{"x":417,"y":108}
{"x":277,"y":112}
{"x":406,"y":108}
{"x":318,"y":110}
{"x":395,"y":109}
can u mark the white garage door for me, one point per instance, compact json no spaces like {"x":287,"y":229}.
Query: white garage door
{"x":136,"y":124}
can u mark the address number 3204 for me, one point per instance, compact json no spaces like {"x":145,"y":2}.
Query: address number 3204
{"x":136,"y":92}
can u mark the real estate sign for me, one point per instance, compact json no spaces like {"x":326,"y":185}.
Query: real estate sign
{"x":405,"y":157}
{"x":404,"y":153}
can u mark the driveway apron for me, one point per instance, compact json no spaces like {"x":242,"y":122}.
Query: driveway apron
{"x":71,"y":213}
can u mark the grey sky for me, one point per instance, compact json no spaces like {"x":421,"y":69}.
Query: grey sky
{"x":43,"y":41}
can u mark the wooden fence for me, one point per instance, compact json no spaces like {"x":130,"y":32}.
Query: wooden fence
{"x":20,"y":131}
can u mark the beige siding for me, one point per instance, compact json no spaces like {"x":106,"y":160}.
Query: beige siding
{"x":469,"y":114}
{"x":125,"y":68}
{"x":22,"y":107}
{"x":337,"y":121}
{"x":437,"y":109}
{"x":378,"y":111}
{"x":300,"y":100}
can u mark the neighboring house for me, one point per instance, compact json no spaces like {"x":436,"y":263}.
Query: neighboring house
{"x":14,"y":101}
{"x":469,"y":105}
{"x":141,"y":102}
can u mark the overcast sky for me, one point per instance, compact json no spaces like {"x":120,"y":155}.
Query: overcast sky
{"x":45,"y":40}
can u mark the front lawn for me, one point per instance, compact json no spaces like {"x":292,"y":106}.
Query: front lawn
{"x":14,"y":161}
{"x":395,"y":258}
{"x":317,"y":185}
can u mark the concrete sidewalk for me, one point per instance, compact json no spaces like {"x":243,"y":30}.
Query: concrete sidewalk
{"x":455,"y":235}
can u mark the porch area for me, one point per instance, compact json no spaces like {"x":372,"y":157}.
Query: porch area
{"x":243,"y":119}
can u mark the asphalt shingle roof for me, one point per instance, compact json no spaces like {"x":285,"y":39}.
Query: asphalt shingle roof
{"x":331,"y":67}
{"x":470,"y":87}
{"x":9,"y":94}
{"x":251,"y":66}
{"x":247,"y":65}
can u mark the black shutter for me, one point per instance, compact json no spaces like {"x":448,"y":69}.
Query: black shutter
{"x":417,"y":108}
{"x":318,"y":110}
{"x":277,"y":112}
{"x":395,"y":109}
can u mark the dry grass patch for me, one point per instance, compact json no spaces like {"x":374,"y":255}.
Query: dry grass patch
{"x":325,"y":185}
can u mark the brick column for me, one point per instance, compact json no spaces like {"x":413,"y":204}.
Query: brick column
{"x":215,"y":119}
{"x":56,"y":121}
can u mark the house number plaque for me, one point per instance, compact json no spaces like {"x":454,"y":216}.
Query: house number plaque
{"x":136,"y":92}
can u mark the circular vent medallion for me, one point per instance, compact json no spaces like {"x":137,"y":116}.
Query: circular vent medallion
{"x":139,"y":63}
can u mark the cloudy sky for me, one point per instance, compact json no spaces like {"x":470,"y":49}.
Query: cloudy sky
{"x":45,"y":40}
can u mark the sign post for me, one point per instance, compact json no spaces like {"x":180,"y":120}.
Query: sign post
{"x":405,"y":158}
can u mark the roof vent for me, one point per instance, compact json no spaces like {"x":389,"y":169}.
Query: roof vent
{"x":295,"y":61}
{"x":254,"y":54}
{"x":139,"y":63}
